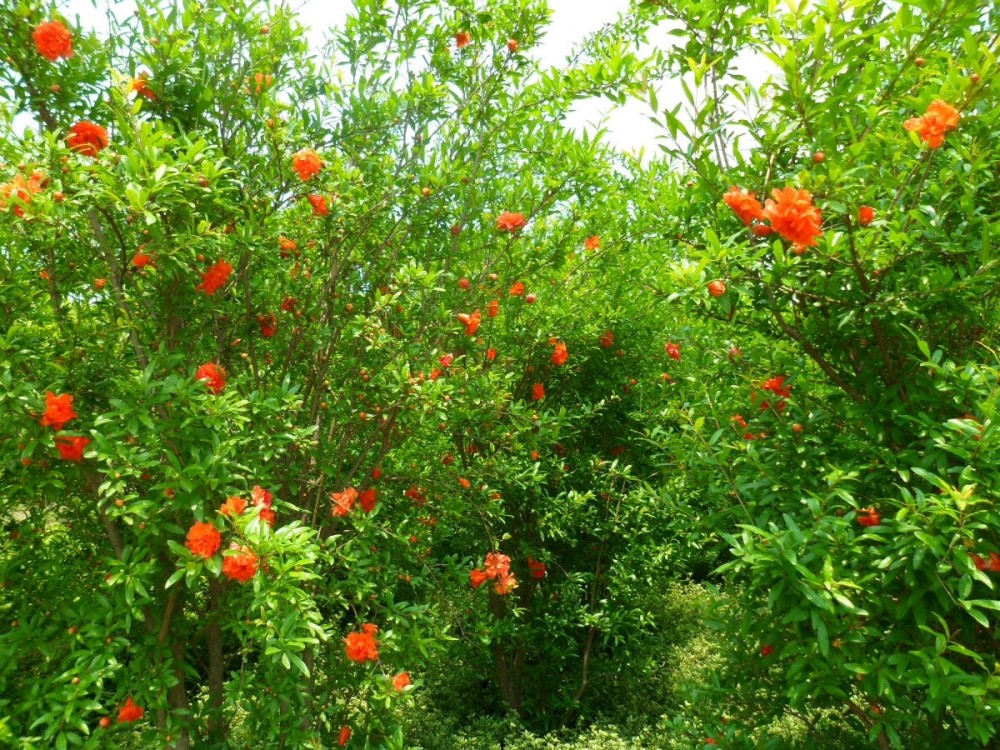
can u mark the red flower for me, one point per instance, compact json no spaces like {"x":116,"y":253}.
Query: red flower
{"x":361,"y":647}
{"x":869,"y":517}
{"x":491,"y":354}
{"x":560,"y":355}
{"x":260,"y":497}
{"x":716,"y":288}
{"x":130,"y":711}
{"x":776,"y":385}
{"x":537,"y":392}
{"x":994,"y":563}
{"x":463,"y":39}
{"x":607,"y":339}
{"x":494,"y":309}
{"x":766,"y":651}
{"x":710,"y":741}
{"x":538,"y":569}
{"x":673,"y":350}
{"x":319,"y":206}
{"x":793,"y":216}
{"x":739,"y":420}
{"x":866,"y":215}
{"x":233,"y":506}
{"x":401,"y":681}
{"x":87,"y":138}
{"x":239,"y":567}
{"x":517,"y":289}
{"x":268,"y":325}
{"x":343,"y":501}
{"x":213,"y":376}
{"x":214,"y":278}
{"x":510,"y":222}
{"x":53,"y":40}
{"x":141,"y":86}
{"x":939,"y":119}
{"x":465,"y":483}
{"x":58,"y":410}
{"x":141,"y":259}
{"x":367,"y":499}
{"x":306,"y":164}
{"x":71,"y":448}
{"x":744,"y":204}
{"x":505,"y":584}
{"x":477,"y":577}
{"x":203,"y":539}
{"x":471,"y":322}
{"x":592,"y":243}
{"x":496,"y":564}
{"x":345,"y":735}
{"x":446,"y":360}
{"x":289,"y":304}
{"x":415,"y":495}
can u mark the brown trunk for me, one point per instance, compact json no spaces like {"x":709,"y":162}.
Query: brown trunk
{"x":216,"y":664}
{"x":177,"y":698}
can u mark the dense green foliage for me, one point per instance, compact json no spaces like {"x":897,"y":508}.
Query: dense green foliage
{"x":404,"y":416}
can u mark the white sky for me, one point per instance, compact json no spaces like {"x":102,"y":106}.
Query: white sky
{"x":628,"y":128}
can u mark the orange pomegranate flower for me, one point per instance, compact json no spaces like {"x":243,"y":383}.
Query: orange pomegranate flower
{"x":471,"y":322}
{"x":241,"y":566}
{"x":307,"y":164}
{"x":538,"y":569}
{"x":214,"y":278}
{"x":939,"y":119}
{"x":496,"y":564}
{"x":367,"y":499}
{"x":592,"y":243}
{"x":494,"y":309}
{"x":463,"y":39}
{"x":517,"y":289}
{"x":141,"y":259}
{"x":361,"y":647}
{"x":71,"y":448}
{"x":560,"y":355}
{"x":510,"y":222}
{"x":505,"y":584}
{"x":345,"y":736}
{"x":793,"y":216}
{"x":744,"y":204}
{"x":233,"y":506}
{"x":343,"y":501}
{"x":477,"y":577}
{"x":401,"y":681}
{"x":130,"y":711}
{"x":537,"y":392}
{"x":87,"y":138}
{"x":491,"y":354}
{"x":58,"y":410}
{"x":203,"y":539}
{"x":53,"y":40}
{"x":607,"y":339}
{"x":140,"y":85}
{"x":213,"y":376}
{"x":319,"y":206}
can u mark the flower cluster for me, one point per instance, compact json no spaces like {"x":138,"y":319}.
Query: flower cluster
{"x":939,"y":119}
{"x":307,"y":164}
{"x":240,"y":564}
{"x":214,"y":278}
{"x":130,"y":711}
{"x":496,"y":567}
{"x":511,"y":222}
{"x":343,"y":501}
{"x":362,"y":647}
{"x":53,"y":40}
{"x":87,"y":138}
{"x":213,"y":376}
